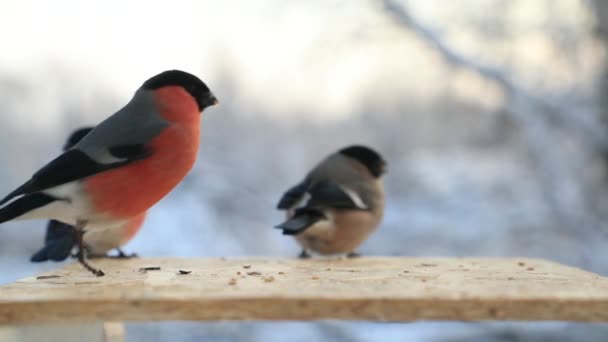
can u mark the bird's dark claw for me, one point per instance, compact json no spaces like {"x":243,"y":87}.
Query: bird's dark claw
{"x":123,"y":255}
{"x":304,"y":255}
{"x":79,"y":232}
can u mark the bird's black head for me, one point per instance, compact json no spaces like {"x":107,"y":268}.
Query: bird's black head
{"x":192,"y":84}
{"x":368,"y":157}
{"x":76,"y":136}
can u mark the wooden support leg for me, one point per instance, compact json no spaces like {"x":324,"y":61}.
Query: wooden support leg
{"x":90,"y":332}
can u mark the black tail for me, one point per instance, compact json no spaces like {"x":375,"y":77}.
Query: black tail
{"x":29,"y":186}
{"x":301,"y":220}
{"x":58,"y":244}
{"x":23,"y":205}
{"x":17,"y":192}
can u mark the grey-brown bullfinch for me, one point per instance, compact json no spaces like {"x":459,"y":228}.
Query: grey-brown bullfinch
{"x":343,"y":202}
{"x":124,"y":166}
{"x":60,"y":237}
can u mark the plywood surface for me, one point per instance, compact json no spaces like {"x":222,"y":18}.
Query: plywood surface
{"x":378,"y":289}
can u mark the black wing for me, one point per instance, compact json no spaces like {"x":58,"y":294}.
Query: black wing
{"x":293,"y":195}
{"x":328,"y":194}
{"x":23,"y":205}
{"x":75,"y":164}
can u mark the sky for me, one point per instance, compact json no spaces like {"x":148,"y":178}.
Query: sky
{"x":323,"y":57}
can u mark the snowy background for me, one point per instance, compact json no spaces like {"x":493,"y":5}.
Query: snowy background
{"x":492,"y":115}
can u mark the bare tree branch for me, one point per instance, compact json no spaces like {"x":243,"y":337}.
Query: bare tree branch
{"x":589,"y":126}
{"x":403,"y":17}
{"x":562,"y":188}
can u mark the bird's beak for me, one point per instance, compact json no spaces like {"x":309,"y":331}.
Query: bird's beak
{"x":208,"y":101}
{"x":213,"y":100}
{"x":384,"y":168}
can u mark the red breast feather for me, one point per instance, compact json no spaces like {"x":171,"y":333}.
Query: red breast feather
{"x":130,"y":190}
{"x":132,"y":227}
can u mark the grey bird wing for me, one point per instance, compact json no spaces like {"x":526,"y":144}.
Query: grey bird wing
{"x":74,"y":165}
{"x":137,"y":123}
{"x":338,"y":183}
{"x":119,"y":140}
{"x":329,"y":194}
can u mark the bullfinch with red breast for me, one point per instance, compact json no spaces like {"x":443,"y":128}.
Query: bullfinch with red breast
{"x":124,"y":166}
{"x":338,"y":204}
{"x":60,"y":239}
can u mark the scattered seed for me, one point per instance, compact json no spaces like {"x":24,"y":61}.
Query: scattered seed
{"x":315,"y":278}
{"x":238,"y":273}
{"x":254,"y":273}
{"x":510,"y":278}
{"x":406,"y":271}
{"x":328,"y":269}
{"x":521,"y":263}
{"x":48,"y":277}
{"x":232,"y":281}
{"x":530,"y":268}
{"x":282,"y":273}
{"x":428,"y":265}
{"x":246,"y":266}
{"x":268,"y":279}
{"x":146,"y":269}
{"x":184,"y":272}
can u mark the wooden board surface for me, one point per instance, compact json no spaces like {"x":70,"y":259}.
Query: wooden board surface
{"x":378,"y":289}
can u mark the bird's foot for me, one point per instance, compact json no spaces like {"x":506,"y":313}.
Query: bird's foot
{"x":97,"y":256}
{"x":123,"y":255}
{"x":79,"y":232}
{"x":90,"y":268}
{"x":304,"y":255}
{"x":87,"y":252}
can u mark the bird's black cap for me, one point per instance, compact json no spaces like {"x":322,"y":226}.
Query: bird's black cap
{"x":192,"y":84}
{"x":371,"y":159}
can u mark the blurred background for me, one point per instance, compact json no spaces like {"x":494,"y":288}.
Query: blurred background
{"x":492,"y":115}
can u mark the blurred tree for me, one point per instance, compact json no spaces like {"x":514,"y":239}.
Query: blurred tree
{"x":601,"y":30}
{"x":541,"y":117}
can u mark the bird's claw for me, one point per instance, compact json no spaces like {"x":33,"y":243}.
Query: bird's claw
{"x":304,"y":255}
